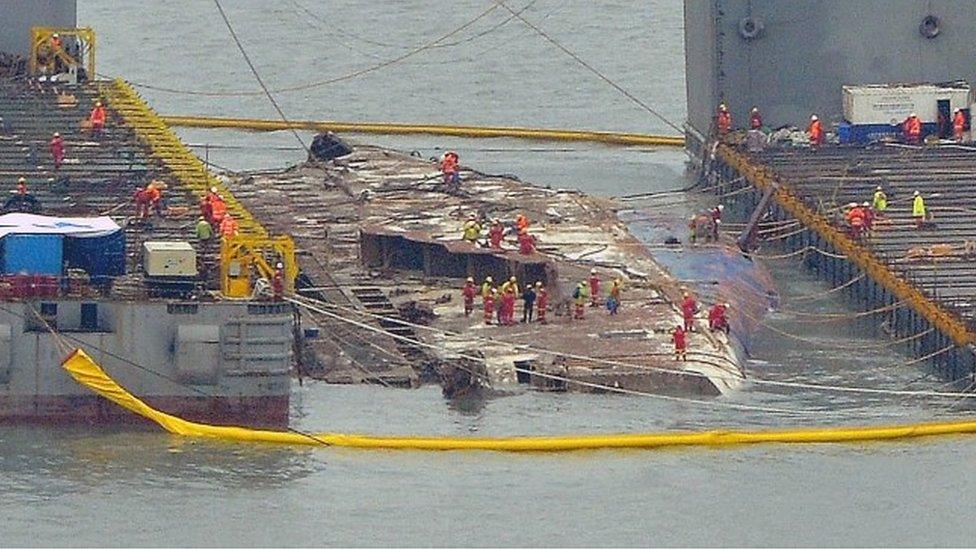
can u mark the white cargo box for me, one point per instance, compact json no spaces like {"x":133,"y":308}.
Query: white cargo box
{"x":892,"y":103}
{"x":169,"y":259}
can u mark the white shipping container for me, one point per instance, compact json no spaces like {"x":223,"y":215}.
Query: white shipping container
{"x":892,"y":103}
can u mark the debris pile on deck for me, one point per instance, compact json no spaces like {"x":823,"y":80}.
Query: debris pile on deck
{"x":378,"y":232}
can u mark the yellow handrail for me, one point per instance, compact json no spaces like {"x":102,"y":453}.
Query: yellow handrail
{"x":761,"y":177}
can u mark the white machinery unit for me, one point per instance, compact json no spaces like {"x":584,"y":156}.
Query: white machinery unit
{"x":892,"y":103}
{"x":169,"y":259}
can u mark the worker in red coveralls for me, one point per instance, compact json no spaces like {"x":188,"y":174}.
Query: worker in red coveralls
{"x":680,"y":343}
{"x":723,"y":120}
{"x":868,"y":216}
{"x":469,"y":291}
{"x":855,"y":221}
{"x":278,"y":282}
{"x":488,"y":302}
{"x":450,"y":167}
{"x":541,"y":301}
{"x":594,"y":282}
{"x":911,"y":129}
{"x":688,"y":309}
{"x":958,"y":125}
{"x":141,"y":199}
{"x":815,"y":132}
{"x":57,"y":150}
{"x":228,"y":227}
{"x":717,"y":319}
{"x":97,"y":119}
{"x":496,"y":233}
{"x":526,"y":243}
{"x":755,"y":119}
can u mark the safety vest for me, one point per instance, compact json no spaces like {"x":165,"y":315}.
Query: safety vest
{"x":918,"y":207}
{"x":880,"y":201}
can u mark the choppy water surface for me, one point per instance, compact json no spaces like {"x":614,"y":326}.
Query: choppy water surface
{"x":74,"y":486}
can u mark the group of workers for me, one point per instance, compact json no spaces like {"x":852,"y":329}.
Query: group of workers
{"x":723,"y":124}
{"x":499,"y":303}
{"x":718,"y":321}
{"x":911,"y":127}
{"x":471,"y":232}
{"x":214,"y":217}
{"x":860,"y":218}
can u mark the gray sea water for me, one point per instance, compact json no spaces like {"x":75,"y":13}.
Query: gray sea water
{"x":96,"y":487}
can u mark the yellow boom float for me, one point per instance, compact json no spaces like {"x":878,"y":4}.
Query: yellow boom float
{"x":86,"y":372}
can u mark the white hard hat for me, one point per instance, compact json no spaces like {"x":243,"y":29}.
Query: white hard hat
{"x":865,"y":203}
{"x":727,"y":305}
{"x":955,"y":110}
{"x":913,"y":115}
{"x":470,"y":279}
{"x":879,"y":188}
{"x":213,"y":190}
{"x":512,"y":278}
{"x":592,"y":271}
{"x":916,"y":193}
{"x":56,"y":134}
{"x":721,"y":206}
{"x":814,"y":117}
{"x":488,"y":279}
{"x":280,"y":265}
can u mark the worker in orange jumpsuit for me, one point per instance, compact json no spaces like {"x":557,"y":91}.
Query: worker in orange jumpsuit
{"x":57,"y":150}
{"x":723,"y":120}
{"x":594,"y":282}
{"x":755,"y":119}
{"x":141,"y":199}
{"x":958,"y":125}
{"x":97,"y":119}
{"x":541,"y":301}
{"x":155,"y":192}
{"x":815,"y":132}
{"x":526,"y":243}
{"x":717,"y":319}
{"x":911,"y":129}
{"x":488,"y":301}
{"x":278,"y":282}
{"x":680,"y":343}
{"x":218,"y":211}
{"x":688,"y":309}
{"x":450,"y":167}
{"x":496,"y":233}
{"x":469,"y":291}
{"x":228,"y":227}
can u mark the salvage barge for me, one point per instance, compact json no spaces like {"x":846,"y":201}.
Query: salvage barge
{"x":80,"y":274}
{"x":379,"y":236}
{"x":925,"y":276}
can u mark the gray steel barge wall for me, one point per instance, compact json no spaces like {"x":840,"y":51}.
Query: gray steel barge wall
{"x":18,"y":16}
{"x":808,"y":49}
{"x":182,"y":352}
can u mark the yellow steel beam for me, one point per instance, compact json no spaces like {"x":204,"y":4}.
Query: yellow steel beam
{"x":761,"y":177}
{"x":541,"y":134}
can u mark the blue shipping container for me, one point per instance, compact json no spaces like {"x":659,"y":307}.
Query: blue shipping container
{"x":101,"y":257}
{"x":35,"y":254}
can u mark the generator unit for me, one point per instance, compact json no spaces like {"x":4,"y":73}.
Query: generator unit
{"x":170,"y":268}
